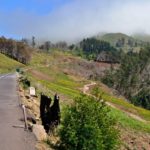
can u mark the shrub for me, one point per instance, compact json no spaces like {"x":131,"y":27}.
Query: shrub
{"x":25,"y":83}
{"x":87,"y":125}
{"x":108,"y":79}
{"x":142,"y":99}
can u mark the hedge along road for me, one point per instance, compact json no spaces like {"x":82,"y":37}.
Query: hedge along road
{"x":10,"y":113}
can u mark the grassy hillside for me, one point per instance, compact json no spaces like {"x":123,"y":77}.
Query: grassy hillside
{"x":130,"y":43}
{"x":55,"y":72}
{"x":65,"y":74}
{"x":8,"y":64}
{"x":121,"y":102}
{"x":143,"y":37}
{"x":113,"y":37}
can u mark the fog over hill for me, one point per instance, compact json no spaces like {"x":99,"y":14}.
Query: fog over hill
{"x":74,"y":19}
{"x":142,"y":36}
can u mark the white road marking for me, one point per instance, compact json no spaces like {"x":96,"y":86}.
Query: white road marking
{"x":6,"y":75}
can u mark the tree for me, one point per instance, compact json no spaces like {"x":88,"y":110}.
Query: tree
{"x":47,"y":45}
{"x":25,"y":41}
{"x":61,"y":45}
{"x":17,"y":50}
{"x":33,"y":41}
{"x":132,"y":78}
{"x":92,"y":48}
{"x":72,"y":46}
{"x":88,"y":125}
{"x":142,"y":99}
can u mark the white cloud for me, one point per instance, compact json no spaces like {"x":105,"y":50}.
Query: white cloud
{"x":131,"y":17}
{"x":81,"y":18}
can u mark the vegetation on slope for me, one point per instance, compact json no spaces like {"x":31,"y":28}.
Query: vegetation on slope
{"x":8,"y":64}
{"x":87,"y":124}
{"x":112,"y":38}
{"x":92,"y":48}
{"x":97,"y":50}
{"x":142,"y":37}
{"x":49,"y":70}
{"x":15,"y":49}
{"x":132,"y":78}
{"x":120,"y":102}
{"x":55,"y":72}
{"x":52,"y":72}
{"x":123,"y":42}
{"x":62,"y":72}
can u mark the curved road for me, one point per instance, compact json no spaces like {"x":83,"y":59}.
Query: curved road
{"x":10,"y":113}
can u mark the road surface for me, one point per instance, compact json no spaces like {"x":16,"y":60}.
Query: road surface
{"x":10,"y":113}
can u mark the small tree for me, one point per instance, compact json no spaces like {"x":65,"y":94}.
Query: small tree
{"x":87,"y":125}
{"x":33,"y":41}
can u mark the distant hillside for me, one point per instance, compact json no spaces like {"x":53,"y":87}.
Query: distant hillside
{"x":112,"y":38}
{"x":108,"y":47}
{"x":123,"y":41}
{"x":99,"y":50}
{"x":17,"y":50}
{"x":143,"y":37}
{"x":8,"y":64}
{"x":132,"y":79}
{"x":66,"y":74}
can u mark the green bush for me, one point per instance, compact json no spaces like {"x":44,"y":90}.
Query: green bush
{"x":131,"y":79}
{"x":142,"y":99}
{"x":87,"y":125}
{"x":25,"y":82}
{"x":108,"y":79}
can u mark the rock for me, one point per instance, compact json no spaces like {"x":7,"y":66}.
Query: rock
{"x":39,"y":132}
{"x":27,"y":97}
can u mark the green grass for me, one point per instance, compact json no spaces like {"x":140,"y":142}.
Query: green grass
{"x":112,"y":38}
{"x":124,"y":105}
{"x":124,"y":120}
{"x":60,"y":84}
{"x":55,"y":87}
{"x":145,"y":114}
{"x":7,"y":64}
{"x":127,"y":122}
{"x":59,"y":77}
{"x":62,"y":89}
{"x":52,"y":66}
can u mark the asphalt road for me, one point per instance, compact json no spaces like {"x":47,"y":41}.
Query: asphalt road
{"x":10,"y":113}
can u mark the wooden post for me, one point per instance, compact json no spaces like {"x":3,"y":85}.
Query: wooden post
{"x":25,"y":117}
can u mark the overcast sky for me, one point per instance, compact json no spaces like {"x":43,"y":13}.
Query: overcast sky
{"x":70,"y":20}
